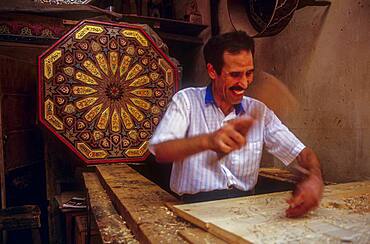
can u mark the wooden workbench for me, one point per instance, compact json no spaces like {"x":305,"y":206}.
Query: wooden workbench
{"x":138,"y":208}
{"x":129,"y":208}
{"x":343,"y":216}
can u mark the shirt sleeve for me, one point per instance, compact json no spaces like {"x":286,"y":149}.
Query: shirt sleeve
{"x":279,"y":140}
{"x":174,"y":124}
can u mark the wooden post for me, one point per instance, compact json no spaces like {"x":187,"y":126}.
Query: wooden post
{"x":2,"y":166}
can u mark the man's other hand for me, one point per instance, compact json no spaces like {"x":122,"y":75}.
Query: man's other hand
{"x":306,"y":197}
{"x":231,"y":136}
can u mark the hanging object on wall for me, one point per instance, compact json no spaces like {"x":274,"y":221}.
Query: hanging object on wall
{"x":261,"y":18}
{"x":265,"y":18}
{"x":103,"y":89}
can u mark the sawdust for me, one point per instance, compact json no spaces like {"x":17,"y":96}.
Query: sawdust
{"x":358,"y":204}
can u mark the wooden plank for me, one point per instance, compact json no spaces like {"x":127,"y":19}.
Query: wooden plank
{"x":198,"y":236}
{"x":342,"y":216}
{"x":141,"y":203}
{"x":111,"y":226}
{"x":279,"y":174}
{"x":207,"y":226}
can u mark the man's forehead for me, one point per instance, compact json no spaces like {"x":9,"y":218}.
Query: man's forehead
{"x":243,"y":59}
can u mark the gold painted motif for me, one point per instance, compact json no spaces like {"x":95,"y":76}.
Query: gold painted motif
{"x":130,"y":50}
{"x":90,"y":66}
{"x":126,"y":119}
{"x":68,"y":59}
{"x":139,"y":116}
{"x":95,"y":46}
{"x":142,"y":92}
{"x":49,"y":61}
{"x":154,"y":76}
{"x":156,"y":120}
{"x":124,"y":65}
{"x":134,"y":71}
{"x":91,"y":154}
{"x":103,"y":120}
{"x":168,"y":71}
{"x":155,"y":110}
{"x":137,"y":152}
{"x":60,"y":100}
{"x":98,"y":135}
{"x":69,"y":109}
{"x":60,"y":79}
{"x":113,"y":44}
{"x":143,"y":80}
{"x":89,"y":116}
{"x":140,"y":103}
{"x":83,"y":103}
{"x":140,"y":51}
{"x":64,"y":89}
{"x":147,"y":124}
{"x":145,"y":61}
{"x":83,"y":90}
{"x":143,"y":135}
{"x":88,"y":29}
{"x":50,"y":116}
{"x":154,"y":66}
{"x":102,"y":61}
{"x":81,"y":125}
{"x":116,"y":139}
{"x":113,"y":60}
{"x":162,"y":102}
{"x":69,"y":121}
{"x":161,"y":84}
{"x":85,"y":136}
{"x":115,"y":122}
{"x":158,"y":93}
{"x":105,"y":143}
{"x":125,"y":142}
{"x":137,"y":35}
{"x":133,"y":135}
{"x":85,"y":78}
{"x":69,"y":71}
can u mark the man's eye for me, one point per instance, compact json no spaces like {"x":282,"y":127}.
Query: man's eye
{"x":236,"y":74}
{"x":249,"y":73}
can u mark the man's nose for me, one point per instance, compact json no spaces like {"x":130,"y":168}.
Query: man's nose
{"x":244,"y":81}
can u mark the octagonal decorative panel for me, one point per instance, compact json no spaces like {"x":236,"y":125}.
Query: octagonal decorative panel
{"x":103,"y":89}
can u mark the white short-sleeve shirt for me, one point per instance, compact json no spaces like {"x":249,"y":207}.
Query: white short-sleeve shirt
{"x":192,"y":112}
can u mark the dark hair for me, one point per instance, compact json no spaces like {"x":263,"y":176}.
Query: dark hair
{"x":232,"y":42}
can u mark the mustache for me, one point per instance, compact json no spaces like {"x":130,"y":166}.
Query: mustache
{"x":237,"y":88}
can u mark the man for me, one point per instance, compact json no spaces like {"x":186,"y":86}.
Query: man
{"x":215,"y":134}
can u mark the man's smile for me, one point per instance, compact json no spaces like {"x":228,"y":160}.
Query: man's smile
{"x":237,"y":90}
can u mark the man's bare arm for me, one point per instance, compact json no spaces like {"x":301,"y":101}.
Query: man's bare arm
{"x":228,"y":138}
{"x":308,"y":193}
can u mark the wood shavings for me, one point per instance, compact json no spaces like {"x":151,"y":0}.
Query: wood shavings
{"x":358,"y":204}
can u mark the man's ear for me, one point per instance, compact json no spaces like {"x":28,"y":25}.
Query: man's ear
{"x":211,"y":71}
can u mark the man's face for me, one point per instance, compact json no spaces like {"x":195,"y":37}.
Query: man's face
{"x":236,"y":75}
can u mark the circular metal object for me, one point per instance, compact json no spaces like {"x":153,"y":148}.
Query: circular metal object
{"x":103,"y":89}
{"x":261,"y":18}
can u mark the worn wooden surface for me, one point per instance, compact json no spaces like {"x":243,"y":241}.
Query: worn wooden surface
{"x":198,"y":236}
{"x":278,"y":174}
{"x":343,"y":216}
{"x":111,"y":226}
{"x":20,"y":217}
{"x":142,"y":205}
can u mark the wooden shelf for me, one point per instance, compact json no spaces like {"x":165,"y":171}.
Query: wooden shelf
{"x":166,"y":25}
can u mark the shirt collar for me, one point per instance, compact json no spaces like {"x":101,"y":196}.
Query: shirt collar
{"x":209,"y":99}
